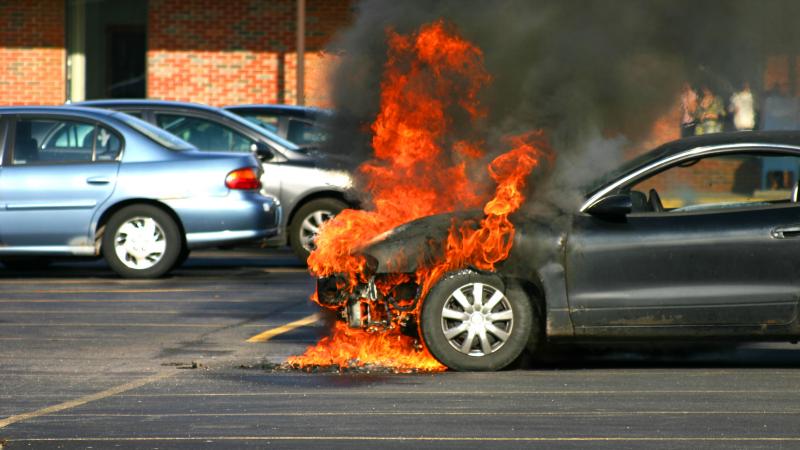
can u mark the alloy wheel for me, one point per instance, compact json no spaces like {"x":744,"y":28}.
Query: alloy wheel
{"x":477,"y":319}
{"x":309,"y":227}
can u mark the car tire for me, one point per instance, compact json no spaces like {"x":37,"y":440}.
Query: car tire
{"x":306,"y":222}
{"x":141,"y":241}
{"x":185,"y":252}
{"x":467,"y":339}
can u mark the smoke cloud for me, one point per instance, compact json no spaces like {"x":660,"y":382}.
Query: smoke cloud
{"x":593,"y":74}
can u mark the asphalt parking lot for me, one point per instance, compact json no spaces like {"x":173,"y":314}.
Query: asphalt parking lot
{"x":88,"y":360}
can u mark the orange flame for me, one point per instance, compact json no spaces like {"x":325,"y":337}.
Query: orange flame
{"x":490,"y":243}
{"x":347,"y":346}
{"x":426,"y":75}
{"x":429,"y":76}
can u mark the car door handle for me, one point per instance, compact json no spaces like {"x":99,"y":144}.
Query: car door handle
{"x":786,"y":232}
{"x":98,"y":180}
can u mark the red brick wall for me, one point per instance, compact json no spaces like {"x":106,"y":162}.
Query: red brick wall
{"x":32,"y":52}
{"x":238,"y":51}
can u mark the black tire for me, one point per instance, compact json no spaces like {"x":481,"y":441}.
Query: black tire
{"x":182,"y":257}
{"x":326,"y":207}
{"x":25,"y":262}
{"x":155,"y":264}
{"x":501,"y":352}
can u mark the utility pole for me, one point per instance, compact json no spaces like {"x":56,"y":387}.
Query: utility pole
{"x":301,"y":51}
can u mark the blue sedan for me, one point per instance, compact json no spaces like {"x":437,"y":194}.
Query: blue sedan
{"x":89,"y":182}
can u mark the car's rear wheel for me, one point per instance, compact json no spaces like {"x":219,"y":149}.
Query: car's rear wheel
{"x":306,"y":222}
{"x":473,"y":321}
{"x":141,"y":241}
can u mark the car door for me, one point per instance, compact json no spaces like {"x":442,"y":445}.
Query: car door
{"x":57,"y":172}
{"x":723,"y":252}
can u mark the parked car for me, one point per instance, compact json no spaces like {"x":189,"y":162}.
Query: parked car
{"x":87,"y":182}
{"x":309,"y":190}
{"x":698,"y":239}
{"x":303,"y":125}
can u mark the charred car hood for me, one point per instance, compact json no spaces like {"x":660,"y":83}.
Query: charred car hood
{"x":419,"y":242}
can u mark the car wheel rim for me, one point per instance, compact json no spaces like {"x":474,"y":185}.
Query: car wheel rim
{"x":477,"y":319}
{"x":140,"y":243}
{"x":309,"y":228}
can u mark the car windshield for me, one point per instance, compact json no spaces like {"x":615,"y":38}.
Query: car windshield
{"x":626,"y":167}
{"x":154,"y":133}
{"x":274,"y":138}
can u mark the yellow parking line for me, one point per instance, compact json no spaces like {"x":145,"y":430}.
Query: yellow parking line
{"x":85,"y":399}
{"x":269,"y":334}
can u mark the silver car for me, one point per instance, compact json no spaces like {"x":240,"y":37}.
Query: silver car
{"x":89,"y":182}
{"x":309,"y":190}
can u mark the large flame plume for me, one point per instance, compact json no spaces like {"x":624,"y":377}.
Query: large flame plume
{"x":421,"y":169}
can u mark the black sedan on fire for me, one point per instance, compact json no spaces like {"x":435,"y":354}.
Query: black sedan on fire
{"x":697,"y":239}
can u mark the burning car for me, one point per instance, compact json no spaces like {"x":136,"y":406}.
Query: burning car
{"x":697,"y":239}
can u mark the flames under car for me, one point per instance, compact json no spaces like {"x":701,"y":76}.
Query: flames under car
{"x":639,"y":259}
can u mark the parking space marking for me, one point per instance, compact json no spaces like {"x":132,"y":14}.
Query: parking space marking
{"x":85,"y":399}
{"x":446,"y":413}
{"x":131,"y":325}
{"x":116,"y":311}
{"x":419,"y":439}
{"x":476,"y":393}
{"x":117,"y":300}
{"x":269,"y":334}
{"x":112,"y":291}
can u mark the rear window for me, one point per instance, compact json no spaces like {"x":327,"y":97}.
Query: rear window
{"x":154,"y":133}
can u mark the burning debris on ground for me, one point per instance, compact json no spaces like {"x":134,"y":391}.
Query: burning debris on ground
{"x":354,"y":367}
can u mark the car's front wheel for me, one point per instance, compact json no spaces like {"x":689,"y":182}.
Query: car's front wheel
{"x":141,"y":241}
{"x":473,"y":321}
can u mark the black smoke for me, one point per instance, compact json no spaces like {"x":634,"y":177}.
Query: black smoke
{"x":594,"y":74}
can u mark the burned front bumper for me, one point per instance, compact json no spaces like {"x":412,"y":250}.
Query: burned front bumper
{"x":382,"y":302}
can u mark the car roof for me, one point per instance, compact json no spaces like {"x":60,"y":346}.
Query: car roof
{"x":197,"y":107}
{"x":289,"y":110}
{"x":755,"y":139}
{"x":773,"y":137}
{"x":105,"y":103}
{"x":60,"y":109}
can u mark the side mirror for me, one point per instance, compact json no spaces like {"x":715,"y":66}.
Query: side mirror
{"x":262,"y":151}
{"x":613,"y":206}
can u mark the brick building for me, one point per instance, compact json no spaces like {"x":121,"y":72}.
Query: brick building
{"x":209,"y":51}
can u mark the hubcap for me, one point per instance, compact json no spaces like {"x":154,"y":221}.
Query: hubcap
{"x":477,"y":319}
{"x":140,"y":243}
{"x":309,"y":228}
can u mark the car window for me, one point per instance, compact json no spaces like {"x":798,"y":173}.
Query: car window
{"x":52,"y":140}
{"x":107,"y":145}
{"x":268,"y":122}
{"x":721,"y":181}
{"x":137,"y":114}
{"x":305,"y":133}
{"x":272,"y":136}
{"x":152,"y":132}
{"x":203,"y":133}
